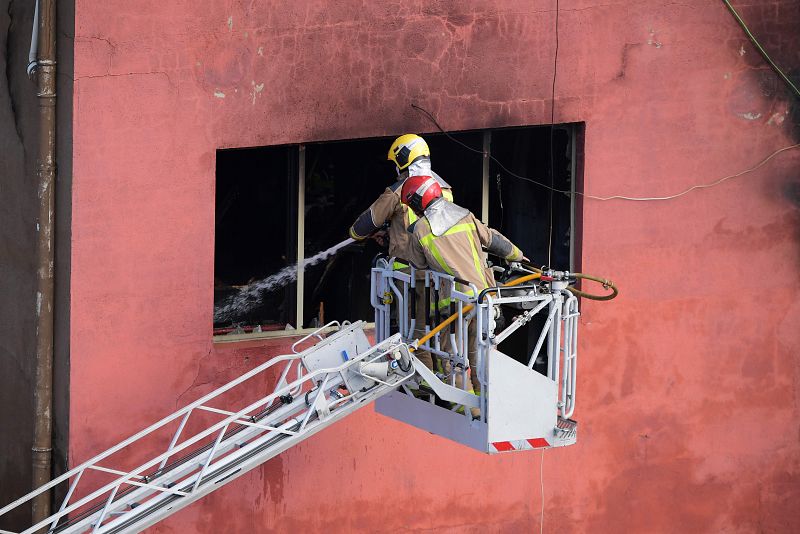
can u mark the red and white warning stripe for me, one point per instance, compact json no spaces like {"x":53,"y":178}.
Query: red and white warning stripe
{"x":518,"y":445}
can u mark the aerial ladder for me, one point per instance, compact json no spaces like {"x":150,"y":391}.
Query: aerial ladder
{"x":239,"y":426}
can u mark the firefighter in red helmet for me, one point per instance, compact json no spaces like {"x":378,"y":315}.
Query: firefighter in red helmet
{"x":450,"y":239}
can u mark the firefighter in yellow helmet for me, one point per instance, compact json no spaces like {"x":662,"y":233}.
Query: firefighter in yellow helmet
{"x":449,"y":239}
{"x":411,"y":157}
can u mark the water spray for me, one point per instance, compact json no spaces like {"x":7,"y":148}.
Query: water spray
{"x":248,"y":297}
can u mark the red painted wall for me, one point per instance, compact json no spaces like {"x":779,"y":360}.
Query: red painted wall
{"x":689,"y":381}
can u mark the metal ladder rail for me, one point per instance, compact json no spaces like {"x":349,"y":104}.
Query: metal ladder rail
{"x":259,"y":450}
{"x":231,"y":445}
{"x":262,"y":450}
{"x":204,"y":466}
{"x":77,"y":471}
{"x":228,"y":442}
{"x":94,"y":463}
{"x":168,"y":476}
{"x":243,"y":432}
{"x":130,"y":478}
{"x":239,"y":431}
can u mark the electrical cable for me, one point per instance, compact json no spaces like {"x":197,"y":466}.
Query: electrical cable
{"x":500,"y":199}
{"x":699,"y":186}
{"x":760,"y":49}
{"x":499,"y":163}
{"x":552,"y":126}
{"x":613,"y":197}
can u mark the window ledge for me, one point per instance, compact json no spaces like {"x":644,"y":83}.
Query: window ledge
{"x":275,"y":334}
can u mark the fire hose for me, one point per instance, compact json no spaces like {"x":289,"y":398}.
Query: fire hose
{"x":538,"y":273}
{"x":607,"y":284}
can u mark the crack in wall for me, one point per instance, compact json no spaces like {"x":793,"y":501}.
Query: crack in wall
{"x":194,"y":383}
{"x":11,"y":98}
{"x":110,"y":75}
{"x":111,"y":45}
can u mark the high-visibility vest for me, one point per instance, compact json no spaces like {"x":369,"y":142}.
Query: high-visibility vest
{"x":411,"y":218}
{"x":429,"y":243}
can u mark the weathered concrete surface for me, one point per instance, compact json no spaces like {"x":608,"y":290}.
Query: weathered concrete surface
{"x":18,"y":212}
{"x":688,"y":389}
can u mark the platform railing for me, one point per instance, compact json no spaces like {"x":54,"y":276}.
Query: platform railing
{"x":391,"y":296}
{"x":569,"y":316}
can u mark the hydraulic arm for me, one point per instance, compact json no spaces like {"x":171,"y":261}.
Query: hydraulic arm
{"x":315,"y":388}
{"x":289,"y":398}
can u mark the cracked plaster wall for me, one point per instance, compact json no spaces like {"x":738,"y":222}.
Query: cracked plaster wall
{"x":689,"y":381}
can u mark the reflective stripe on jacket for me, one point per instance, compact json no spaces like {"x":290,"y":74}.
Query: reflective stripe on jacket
{"x":459,"y":252}
{"x":388,"y":208}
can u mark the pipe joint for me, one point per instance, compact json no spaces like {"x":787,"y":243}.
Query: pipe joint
{"x":48,"y":93}
{"x":42,"y":457}
{"x":46,"y":170}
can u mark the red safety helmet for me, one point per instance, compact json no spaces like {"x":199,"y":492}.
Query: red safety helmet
{"x":419,"y":191}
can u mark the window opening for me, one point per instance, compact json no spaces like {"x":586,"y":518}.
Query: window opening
{"x":520,"y":209}
{"x":257,"y":229}
{"x":253,"y":231}
{"x":342,"y":180}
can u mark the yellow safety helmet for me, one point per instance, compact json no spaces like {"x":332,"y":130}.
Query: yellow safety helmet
{"x":406,"y":149}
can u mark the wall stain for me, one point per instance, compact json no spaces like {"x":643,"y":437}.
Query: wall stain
{"x":626,"y":49}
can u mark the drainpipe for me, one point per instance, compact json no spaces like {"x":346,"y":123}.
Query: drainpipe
{"x":46,"y":171}
{"x":34,"y":42}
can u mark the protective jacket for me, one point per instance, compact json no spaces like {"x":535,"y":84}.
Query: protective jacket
{"x":389,"y":209}
{"x":449,"y":239}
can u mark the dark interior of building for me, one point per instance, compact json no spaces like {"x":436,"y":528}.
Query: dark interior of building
{"x":534,"y":217}
{"x":256,"y":214}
